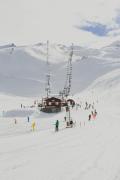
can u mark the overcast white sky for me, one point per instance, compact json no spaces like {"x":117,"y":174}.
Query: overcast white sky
{"x":87,"y":22}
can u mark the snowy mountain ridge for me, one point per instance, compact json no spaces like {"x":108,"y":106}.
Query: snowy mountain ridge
{"x":23,"y":69}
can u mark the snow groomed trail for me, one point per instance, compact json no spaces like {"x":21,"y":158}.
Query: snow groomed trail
{"x":90,"y":150}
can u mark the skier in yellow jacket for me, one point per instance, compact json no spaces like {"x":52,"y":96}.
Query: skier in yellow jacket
{"x":33,"y":125}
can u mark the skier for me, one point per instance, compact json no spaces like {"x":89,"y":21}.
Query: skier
{"x":28,"y":118}
{"x":33,"y":125}
{"x":89,"y":117}
{"x":89,"y":106}
{"x":15,"y":121}
{"x":65,"y":118}
{"x":57,"y":125}
{"x":86,"y":105}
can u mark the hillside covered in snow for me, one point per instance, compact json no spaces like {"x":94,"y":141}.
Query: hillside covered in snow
{"x":23,"y":69}
{"x":89,"y":150}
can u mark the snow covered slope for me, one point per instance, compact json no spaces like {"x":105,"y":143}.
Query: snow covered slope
{"x":90,"y":150}
{"x":23,"y":69}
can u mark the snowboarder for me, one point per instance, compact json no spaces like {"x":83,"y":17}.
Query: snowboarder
{"x":57,"y":125}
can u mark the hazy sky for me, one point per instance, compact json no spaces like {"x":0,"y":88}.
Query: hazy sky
{"x":87,"y":22}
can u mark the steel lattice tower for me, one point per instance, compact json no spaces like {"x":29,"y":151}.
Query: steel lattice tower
{"x":68,"y":81}
{"x":48,"y":76}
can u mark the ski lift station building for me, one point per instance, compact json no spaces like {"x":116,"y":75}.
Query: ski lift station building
{"x":51,"y":105}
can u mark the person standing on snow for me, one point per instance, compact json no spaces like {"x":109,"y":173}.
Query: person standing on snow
{"x":33,"y":125}
{"x":15,"y":121}
{"x":57,"y":125}
{"x":89,"y":117}
{"x":28,"y":118}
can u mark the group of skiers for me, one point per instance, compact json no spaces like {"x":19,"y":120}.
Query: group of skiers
{"x":69,"y":123}
{"x":33,"y":124}
{"x":88,"y":106}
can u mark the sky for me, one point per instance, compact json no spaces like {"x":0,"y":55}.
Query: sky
{"x":88,"y":22}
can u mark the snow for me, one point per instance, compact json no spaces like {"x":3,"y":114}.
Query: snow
{"x":89,"y":150}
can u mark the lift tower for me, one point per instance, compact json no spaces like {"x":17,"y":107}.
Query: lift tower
{"x":67,"y":87}
{"x":48,"y":75}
